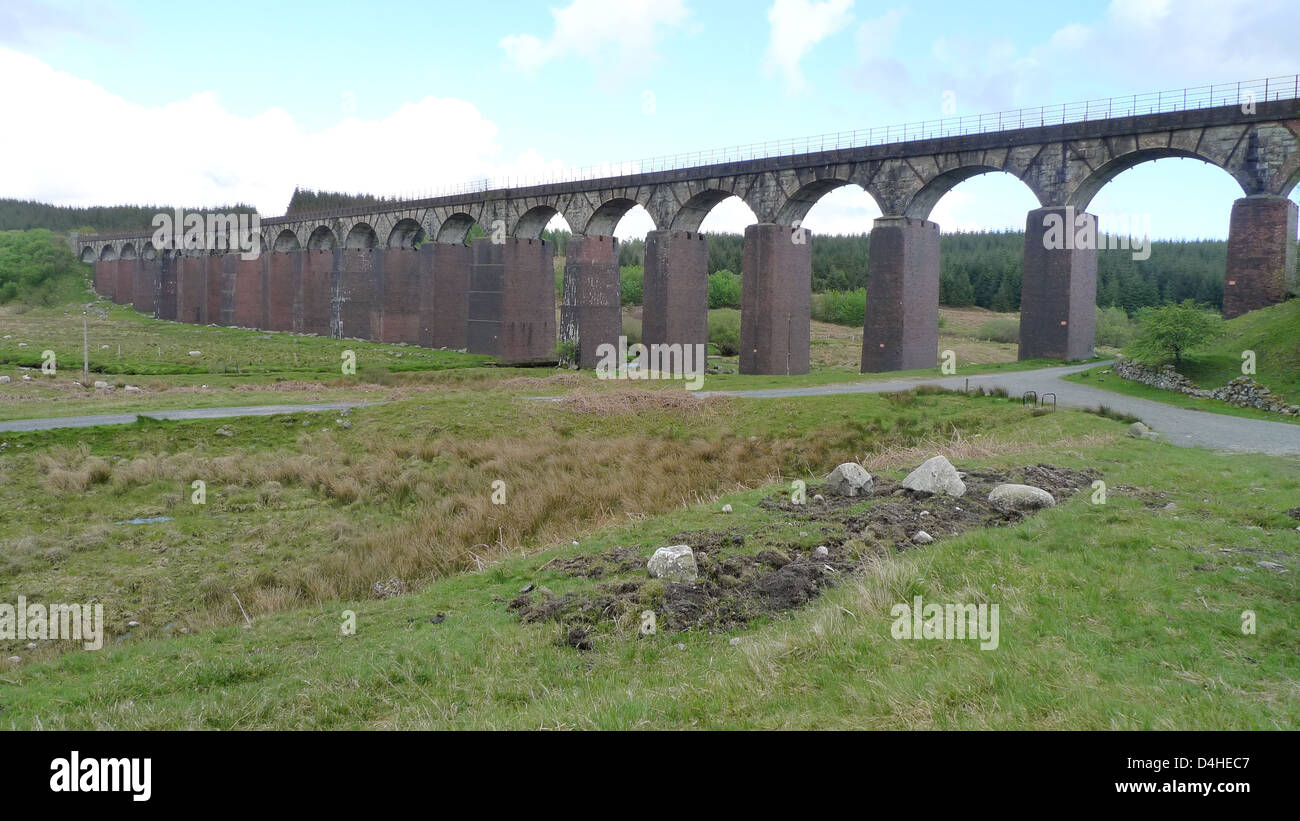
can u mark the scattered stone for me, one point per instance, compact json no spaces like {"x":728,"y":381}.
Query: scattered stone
{"x":347,"y":424}
{"x":528,"y":588}
{"x":438,"y":619}
{"x":101,"y":385}
{"x":14,"y":659}
{"x":734,"y":641}
{"x":225,"y":431}
{"x":133,"y":389}
{"x":726,"y":508}
{"x":388,"y":589}
{"x":820,"y":552}
{"x":935,"y":475}
{"x":1171,"y":506}
{"x":680,"y":646}
{"x":1020,"y":497}
{"x":676,"y":563}
{"x":4,"y":380}
{"x":196,"y":353}
{"x":1140,"y":431}
{"x":922,"y":537}
{"x":849,"y":479}
{"x":817,"y":497}
{"x":31,"y":645}
{"x":345,"y":412}
{"x":1274,"y":566}
{"x":133,"y":624}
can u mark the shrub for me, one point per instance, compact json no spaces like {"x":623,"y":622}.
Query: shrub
{"x":999,"y":330}
{"x":632,"y":278}
{"x":631,"y":329}
{"x":841,"y":307}
{"x":1114,"y":328}
{"x":724,"y":331}
{"x":724,"y":289}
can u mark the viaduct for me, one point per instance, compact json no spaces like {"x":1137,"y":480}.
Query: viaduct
{"x":403,"y":271}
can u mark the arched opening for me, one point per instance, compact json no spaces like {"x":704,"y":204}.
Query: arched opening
{"x":407,"y":233}
{"x":128,"y":251}
{"x":723,"y":223}
{"x":108,"y":253}
{"x":1088,"y":189}
{"x":322,"y":239}
{"x":713,"y":210}
{"x":538,"y":219}
{"x":149,"y":252}
{"x":361,"y":237}
{"x":1184,"y":207}
{"x":287,"y":241}
{"x":840,"y":217}
{"x":87,"y":254}
{"x":456,"y":229}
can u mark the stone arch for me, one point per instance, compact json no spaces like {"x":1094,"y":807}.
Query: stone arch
{"x":692,"y":213}
{"x":361,"y":237}
{"x":322,"y":239}
{"x":407,"y":233}
{"x":605,"y":218}
{"x":1088,"y":188}
{"x":87,"y":254}
{"x":798,"y":204}
{"x":1290,"y":185}
{"x":534,"y":222}
{"x":149,"y":252}
{"x":287,"y":241}
{"x":455,"y":228}
{"x":924,"y":201}
{"x":128,"y":252}
{"x":108,"y":252}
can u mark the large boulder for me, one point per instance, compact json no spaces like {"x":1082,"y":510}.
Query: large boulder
{"x":1140,"y":431}
{"x":676,"y":563}
{"x":935,"y":475}
{"x":1020,"y":497}
{"x":849,"y":479}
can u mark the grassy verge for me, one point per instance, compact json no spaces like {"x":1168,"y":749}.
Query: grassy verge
{"x":1100,"y":378}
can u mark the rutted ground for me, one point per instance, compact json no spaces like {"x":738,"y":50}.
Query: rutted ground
{"x":747,"y":575}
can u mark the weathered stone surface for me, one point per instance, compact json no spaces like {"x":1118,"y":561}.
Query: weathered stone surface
{"x":935,"y":475}
{"x":1020,"y":497}
{"x":921,"y":537}
{"x":676,"y":563}
{"x":849,"y":479}
{"x":1243,"y":391}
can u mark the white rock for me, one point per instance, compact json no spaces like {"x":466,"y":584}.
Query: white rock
{"x":921,"y":537}
{"x":935,"y":475}
{"x":1274,"y":566}
{"x":676,"y":563}
{"x":726,"y":508}
{"x":101,"y":385}
{"x":31,"y":645}
{"x":1140,"y":431}
{"x":1020,"y":497}
{"x":849,"y":479}
{"x":14,"y":659}
{"x":817,"y":497}
{"x":196,"y":353}
{"x":133,"y":389}
{"x":734,"y":641}
{"x":4,"y":380}
{"x":820,"y":552}
{"x":133,"y":624}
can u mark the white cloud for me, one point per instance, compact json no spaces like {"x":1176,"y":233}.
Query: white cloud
{"x":797,"y":26}
{"x":595,"y":30}
{"x":82,"y":145}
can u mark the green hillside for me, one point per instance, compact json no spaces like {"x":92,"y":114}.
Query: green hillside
{"x":1272,"y":333}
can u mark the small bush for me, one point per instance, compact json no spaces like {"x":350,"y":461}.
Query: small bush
{"x":633,"y":279}
{"x":841,"y":307}
{"x":999,"y":330}
{"x":724,"y":331}
{"x":724,"y":289}
{"x":1114,"y":328}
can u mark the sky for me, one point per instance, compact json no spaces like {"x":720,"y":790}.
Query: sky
{"x":158,"y":102}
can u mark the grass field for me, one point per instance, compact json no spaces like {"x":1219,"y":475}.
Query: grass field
{"x":1122,"y":612}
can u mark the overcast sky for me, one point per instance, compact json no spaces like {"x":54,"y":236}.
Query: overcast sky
{"x":160,"y":102}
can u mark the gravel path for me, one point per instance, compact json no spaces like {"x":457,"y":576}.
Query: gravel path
{"x":1181,"y":426}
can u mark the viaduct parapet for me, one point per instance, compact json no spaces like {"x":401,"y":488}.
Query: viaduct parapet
{"x":402,"y":271}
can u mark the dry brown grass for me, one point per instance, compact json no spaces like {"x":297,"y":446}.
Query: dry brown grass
{"x":624,"y":400}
